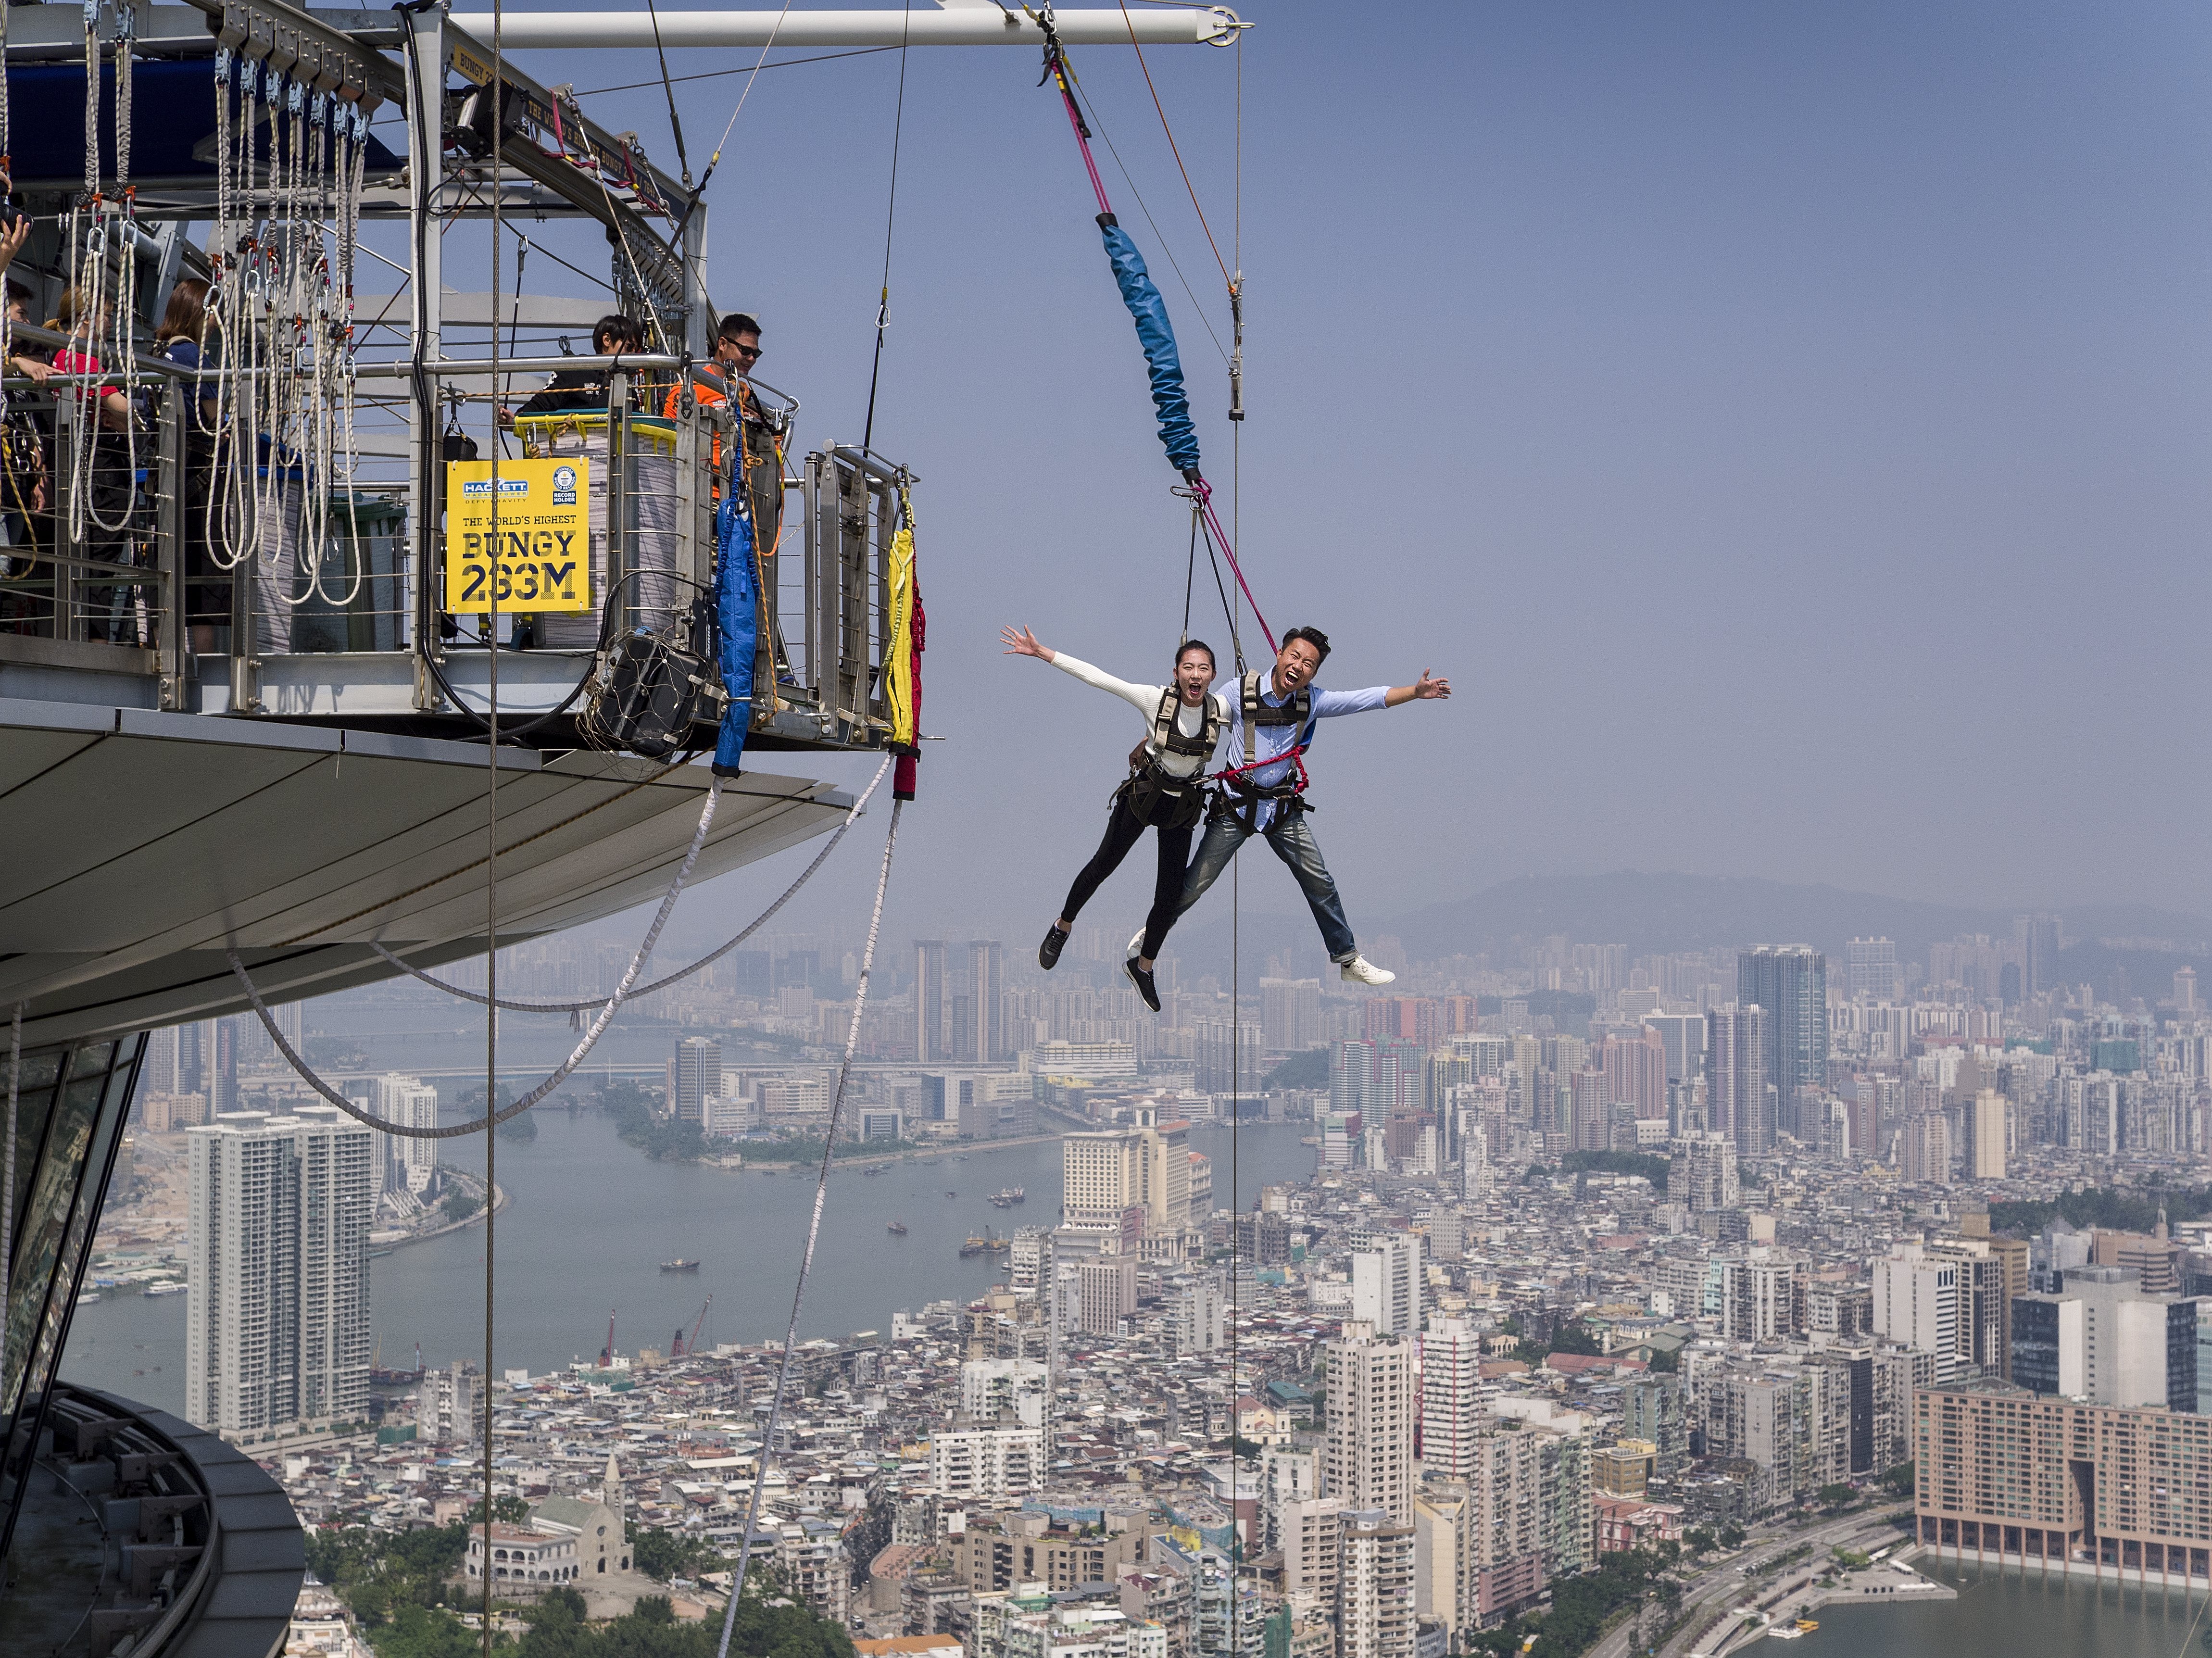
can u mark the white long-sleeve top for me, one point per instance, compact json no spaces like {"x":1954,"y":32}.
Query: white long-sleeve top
{"x":1190,"y":719}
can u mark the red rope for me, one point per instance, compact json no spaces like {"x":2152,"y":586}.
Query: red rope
{"x":1290,"y":755}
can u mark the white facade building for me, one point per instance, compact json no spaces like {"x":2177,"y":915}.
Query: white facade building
{"x":277,"y":1327}
{"x":1386,"y":1285}
{"x":990,"y":1462}
{"x":410,"y":1164}
{"x":1454,"y":1407}
{"x":1917,"y":1303}
{"x":1368,"y":1461}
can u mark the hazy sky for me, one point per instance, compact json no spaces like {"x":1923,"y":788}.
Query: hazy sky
{"x":1786,"y":425}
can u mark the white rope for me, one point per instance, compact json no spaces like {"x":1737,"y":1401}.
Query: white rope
{"x":491,"y":1118}
{"x":813,"y":1232}
{"x":708,"y":960}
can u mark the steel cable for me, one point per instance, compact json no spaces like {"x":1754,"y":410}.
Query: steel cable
{"x":707,"y":959}
{"x":813,"y":1232}
{"x":492,"y":1119}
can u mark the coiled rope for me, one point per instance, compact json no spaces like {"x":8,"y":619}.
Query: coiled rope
{"x":813,"y":1232}
{"x":705,"y":961}
{"x":491,"y":1118}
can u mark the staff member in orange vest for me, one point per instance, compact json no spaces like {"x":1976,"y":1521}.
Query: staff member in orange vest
{"x":737,"y":349}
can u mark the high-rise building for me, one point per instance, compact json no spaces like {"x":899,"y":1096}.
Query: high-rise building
{"x":1591,"y":1110}
{"x":447,"y":1408}
{"x":930,"y":1029}
{"x":1290,"y":1014}
{"x":694,"y":1075}
{"x":986,"y":981}
{"x":1871,"y":969}
{"x":1105,"y":1293}
{"x":1702,"y":1172}
{"x":1918,"y":1304}
{"x":1374,"y":1594}
{"x":1106,"y":1173}
{"x":2036,"y":938}
{"x":1763,"y":1296}
{"x":1741,"y":1097}
{"x":1413,"y":1019}
{"x":2185,"y":990}
{"x":2102,"y":1339}
{"x":1474,"y":1163}
{"x":1651,"y":1410}
{"x":1636,"y":1071}
{"x":1923,"y":1149}
{"x":1682,"y":1039}
{"x":159,"y":1072}
{"x":1352,"y":1081}
{"x":277,"y":1323}
{"x":1201,"y":1316}
{"x":1791,"y":983}
{"x":1386,"y":1285}
{"x":1226,"y":1054}
{"x":1455,"y":1405}
{"x":1987,"y":1119}
{"x":410,"y":1164}
{"x":1367,"y":1459}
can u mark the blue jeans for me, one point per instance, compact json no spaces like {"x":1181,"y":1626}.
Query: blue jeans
{"x":1295,"y":845}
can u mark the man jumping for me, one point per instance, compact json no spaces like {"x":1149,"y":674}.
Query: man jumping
{"x":1271,"y":723}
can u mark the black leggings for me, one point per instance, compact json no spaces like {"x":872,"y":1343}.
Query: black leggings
{"x":1123,"y":831}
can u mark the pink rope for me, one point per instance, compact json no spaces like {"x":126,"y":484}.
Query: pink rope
{"x":1206,"y":501}
{"x":1075,"y":121}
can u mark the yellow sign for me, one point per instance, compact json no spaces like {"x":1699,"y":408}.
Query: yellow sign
{"x":544,"y":540}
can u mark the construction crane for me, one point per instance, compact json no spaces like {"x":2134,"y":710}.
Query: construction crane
{"x":607,"y":1353}
{"x":680,"y":1347}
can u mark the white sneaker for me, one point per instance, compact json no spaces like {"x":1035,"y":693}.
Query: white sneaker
{"x":1136,"y":945}
{"x":1361,"y":971}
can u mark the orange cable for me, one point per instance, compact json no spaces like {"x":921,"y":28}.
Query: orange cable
{"x":1177,"y":153}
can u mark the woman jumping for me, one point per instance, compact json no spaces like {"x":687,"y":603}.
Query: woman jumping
{"x":1165,"y":789}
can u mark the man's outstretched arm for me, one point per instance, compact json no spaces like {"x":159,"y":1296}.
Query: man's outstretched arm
{"x":1427,"y":688}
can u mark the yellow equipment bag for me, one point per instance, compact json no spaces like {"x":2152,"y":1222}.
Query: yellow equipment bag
{"x":901,"y":691}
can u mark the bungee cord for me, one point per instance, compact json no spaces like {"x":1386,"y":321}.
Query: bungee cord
{"x":704,"y":962}
{"x":279,"y":325}
{"x":813,"y":1233}
{"x":492,"y":1119}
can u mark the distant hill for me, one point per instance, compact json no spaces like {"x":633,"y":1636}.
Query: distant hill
{"x":1655,"y":912}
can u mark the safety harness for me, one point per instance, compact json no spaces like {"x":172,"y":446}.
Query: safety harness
{"x":1148,"y":784}
{"x":1240,"y":797}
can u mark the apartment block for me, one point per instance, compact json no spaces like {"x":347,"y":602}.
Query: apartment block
{"x":2005,"y":1472}
{"x":277,"y":1330}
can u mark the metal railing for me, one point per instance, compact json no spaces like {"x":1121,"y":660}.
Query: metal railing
{"x":151,"y":601}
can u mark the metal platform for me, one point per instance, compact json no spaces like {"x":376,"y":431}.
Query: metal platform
{"x":144,"y":845}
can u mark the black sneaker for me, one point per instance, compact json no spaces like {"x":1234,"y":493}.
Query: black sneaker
{"x":1049,"y":951}
{"x":1142,"y":979}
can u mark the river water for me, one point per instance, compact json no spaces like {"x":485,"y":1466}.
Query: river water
{"x":2006,"y":1615}
{"x":590,"y":1220}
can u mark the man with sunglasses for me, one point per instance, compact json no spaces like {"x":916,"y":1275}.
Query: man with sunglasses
{"x":737,"y":349}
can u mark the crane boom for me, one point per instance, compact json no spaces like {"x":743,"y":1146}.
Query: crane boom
{"x":955,"y":25}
